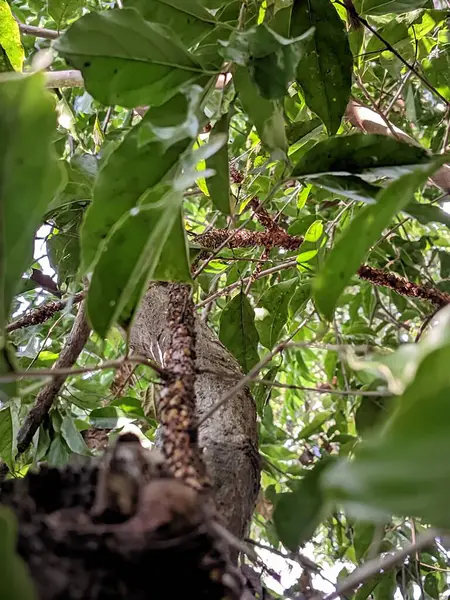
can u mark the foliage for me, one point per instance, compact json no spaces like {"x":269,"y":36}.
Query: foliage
{"x":353,"y":407}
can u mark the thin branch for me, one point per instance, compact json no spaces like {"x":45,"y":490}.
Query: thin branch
{"x":43,"y":313}
{"x":69,"y":372}
{"x":253,"y":373}
{"x":48,"y":34}
{"x":373,"y":567}
{"x":321,"y":390}
{"x":44,"y":400}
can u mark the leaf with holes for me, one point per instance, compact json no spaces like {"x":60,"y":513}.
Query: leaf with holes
{"x":238,"y":332}
{"x":325,"y":69}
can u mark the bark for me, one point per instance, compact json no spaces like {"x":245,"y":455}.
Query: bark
{"x":228,"y":440}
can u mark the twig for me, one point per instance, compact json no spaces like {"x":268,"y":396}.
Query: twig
{"x":43,"y":313}
{"x":68,"y":371}
{"x":374,"y":566}
{"x":242,"y":383}
{"x":67,"y":358}
{"x":48,"y":34}
{"x":319,"y":390}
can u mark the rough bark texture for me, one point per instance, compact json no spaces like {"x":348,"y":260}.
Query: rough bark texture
{"x":229,"y":438}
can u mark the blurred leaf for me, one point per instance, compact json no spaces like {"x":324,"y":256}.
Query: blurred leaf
{"x":315,"y":425}
{"x":10,"y":40}
{"x":325,"y":69}
{"x":351,"y":247}
{"x":29,"y":178}
{"x":426,"y":213}
{"x":431,"y":586}
{"x":383,"y":7}
{"x":444,"y":258}
{"x":387,"y":586}
{"x":361,"y":153}
{"x":363,"y":533}
{"x":348,"y":186}
{"x":15,"y":581}
{"x":63,"y":11}
{"x":58,"y":454}
{"x":126,"y":60}
{"x":107,"y":417}
{"x":266,"y":115}
{"x":219,"y":184}
{"x":370,"y":413}
{"x":238,"y":332}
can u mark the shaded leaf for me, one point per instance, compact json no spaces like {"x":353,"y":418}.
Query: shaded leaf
{"x":363,"y":533}
{"x":348,"y":186}
{"x":15,"y":581}
{"x":351,"y":247}
{"x":6,"y":437}
{"x":126,"y":60}
{"x":298,"y":513}
{"x":219,"y":184}
{"x":370,"y":413}
{"x":431,"y":586}
{"x":315,"y":425}
{"x":386,"y":587}
{"x":58,"y":454}
{"x":10,"y":40}
{"x":73,"y":437}
{"x":187,"y":18}
{"x":325,"y":69}
{"x":266,"y":115}
{"x":276,"y":301}
{"x":28,"y":178}
{"x":301,"y":296}
{"x":238,"y":332}
{"x":444,"y":258}
{"x":107,"y":417}
{"x":383,"y":7}
{"x":426,"y":213}
{"x":359,"y":154}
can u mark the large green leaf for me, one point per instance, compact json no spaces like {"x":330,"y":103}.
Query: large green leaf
{"x":325,"y":69}
{"x":62,"y":11}
{"x":426,"y":213}
{"x":28,"y":178}
{"x":139,"y":163}
{"x":73,"y":437}
{"x":360,"y":154}
{"x":130,"y":256}
{"x":187,"y":18}
{"x":350,"y":249}
{"x":219,"y":184}
{"x":266,"y":115}
{"x":384,"y":7}
{"x":437,"y":72}
{"x":10,"y":37}
{"x":276,"y":301}
{"x":15,"y":581}
{"x":126,"y":60}
{"x":238,"y":332}
{"x":348,"y":186}
{"x":403,"y":468}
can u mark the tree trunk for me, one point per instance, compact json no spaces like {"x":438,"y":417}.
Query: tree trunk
{"x":229,"y":438}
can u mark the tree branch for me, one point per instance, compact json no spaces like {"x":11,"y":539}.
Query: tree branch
{"x":43,"y":313}
{"x":48,"y":34}
{"x":44,"y":401}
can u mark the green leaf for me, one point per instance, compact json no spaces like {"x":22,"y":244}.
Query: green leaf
{"x":370,"y":413}
{"x":401,"y":468}
{"x":107,"y":417}
{"x":360,"y":154}
{"x":238,"y":332}
{"x":444,"y":259}
{"x":10,"y":40}
{"x":73,"y":437}
{"x":15,"y":581}
{"x":131,"y":255}
{"x":58,"y":454}
{"x":271,"y":58}
{"x":298,"y":513}
{"x":126,"y":60}
{"x":325,"y":69}
{"x":384,"y":7}
{"x":219,"y":184}
{"x":348,"y":186}
{"x":363,"y":533}
{"x":431,"y":586}
{"x":266,"y":115}
{"x":350,"y":249}
{"x":28,"y":178}
{"x":276,"y":301}
{"x":174,"y":263}
{"x":63,"y":11}
{"x":315,"y":425}
{"x":299,"y":299}
{"x":426,"y":213}
{"x":385,"y":589}
{"x":6,"y":437}
{"x":187,"y":18}
{"x":125,"y":176}
{"x":8,"y":389}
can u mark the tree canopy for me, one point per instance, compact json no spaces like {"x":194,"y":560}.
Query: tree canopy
{"x":287,"y":160}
